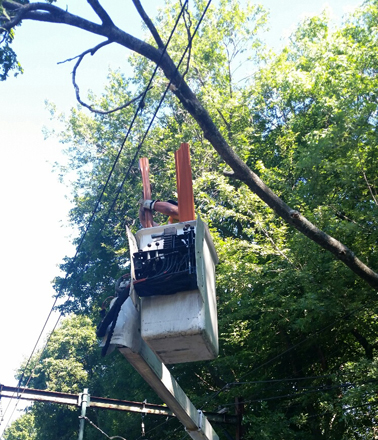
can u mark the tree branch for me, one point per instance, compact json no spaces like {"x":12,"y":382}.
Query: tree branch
{"x":146,"y":19}
{"x":100,"y":11}
{"x":242,"y":172}
{"x":369,"y":186}
{"x":48,"y":13}
{"x":77,"y":90}
{"x":364,"y":343}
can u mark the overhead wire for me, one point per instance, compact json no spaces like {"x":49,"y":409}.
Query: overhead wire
{"x":100,"y":430}
{"x":303,"y":392}
{"x":161,"y":101}
{"x":272,"y":359}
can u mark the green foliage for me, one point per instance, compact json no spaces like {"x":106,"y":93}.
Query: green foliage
{"x":22,"y":429}
{"x":8,"y":58}
{"x":71,"y":363}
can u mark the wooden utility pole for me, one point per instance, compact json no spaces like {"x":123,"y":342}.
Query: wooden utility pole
{"x":239,"y":410}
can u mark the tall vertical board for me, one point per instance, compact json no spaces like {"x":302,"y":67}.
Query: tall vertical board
{"x":184,"y":184}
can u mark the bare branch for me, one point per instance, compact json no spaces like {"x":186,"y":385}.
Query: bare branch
{"x":146,"y":19}
{"x":46,"y":12}
{"x":77,"y":90}
{"x":100,"y":11}
{"x":369,"y":186}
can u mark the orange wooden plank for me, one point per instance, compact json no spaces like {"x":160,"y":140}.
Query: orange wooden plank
{"x":184,"y":183}
{"x":144,"y":167}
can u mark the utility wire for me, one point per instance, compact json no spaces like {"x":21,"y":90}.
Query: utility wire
{"x":159,"y":105}
{"x":27,"y":363}
{"x":346,"y":408}
{"x":274,"y":358}
{"x":310,"y":390}
{"x":99,"y":429}
{"x":289,"y":379}
{"x":151,"y":120}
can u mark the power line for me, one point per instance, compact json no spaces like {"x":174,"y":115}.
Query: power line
{"x":310,"y":390}
{"x":269,"y":361}
{"x":99,"y":429}
{"x":288,"y":379}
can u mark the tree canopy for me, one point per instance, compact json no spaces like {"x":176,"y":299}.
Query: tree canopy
{"x":298,"y":335}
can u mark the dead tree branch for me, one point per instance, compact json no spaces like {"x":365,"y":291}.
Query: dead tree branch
{"x":77,"y":90}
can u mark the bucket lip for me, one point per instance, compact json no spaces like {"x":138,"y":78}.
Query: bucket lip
{"x":149,"y":231}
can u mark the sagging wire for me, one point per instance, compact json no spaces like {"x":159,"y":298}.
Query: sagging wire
{"x":1,"y":406}
{"x":100,"y":430}
{"x":168,"y":419}
{"x":309,"y":390}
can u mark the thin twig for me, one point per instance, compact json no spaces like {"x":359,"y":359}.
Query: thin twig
{"x":369,"y":186}
{"x":76,"y":87}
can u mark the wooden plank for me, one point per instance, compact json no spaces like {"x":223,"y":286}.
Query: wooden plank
{"x":184,"y":183}
{"x":144,"y":167}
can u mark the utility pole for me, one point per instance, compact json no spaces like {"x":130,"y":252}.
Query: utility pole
{"x":84,"y":404}
{"x":239,"y":410}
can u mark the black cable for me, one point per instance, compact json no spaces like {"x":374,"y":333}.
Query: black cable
{"x":148,"y":433}
{"x":140,"y":107}
{"x":309,"y":390}
{"x":288,"y":379}
{"x":346,"y":408}
{"x":27,"y":363}
{"x":31,"y":374}
{"x":151,"y":121}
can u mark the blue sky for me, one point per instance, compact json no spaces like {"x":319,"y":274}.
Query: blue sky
{"x":35,"y":236}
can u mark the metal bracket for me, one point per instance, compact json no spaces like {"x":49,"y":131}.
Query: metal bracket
{"x":83,"y":397}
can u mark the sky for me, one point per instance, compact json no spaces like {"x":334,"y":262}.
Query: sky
{"x":35,"y":235}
